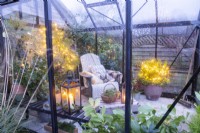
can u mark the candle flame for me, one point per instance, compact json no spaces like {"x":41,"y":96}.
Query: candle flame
{"x":70,"y":96}
{"x":64,"y":93}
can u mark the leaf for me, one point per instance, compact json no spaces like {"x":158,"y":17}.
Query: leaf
{"x":178,"y":120}
{"x":100,"y":116}
{"x":108,"y":119}
{"x":145,"y":109}
{"x":97,"y":102}
{"x":118,"y":112}
{"x":197,"y":95}
{"x":135,"y":127}
{"x":173,"y":111}
{"x":103,"y":110}
{"x":88,"y":110}
{"x":91,"y":101}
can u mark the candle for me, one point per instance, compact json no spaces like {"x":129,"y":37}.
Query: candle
{"x":58,"y":98}
{"x":64,"y":98}
{"x":71,"y":99}
{"x":77,"y":95}
{"x":123,"y":97}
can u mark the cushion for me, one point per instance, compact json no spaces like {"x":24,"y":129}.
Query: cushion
{"x":100,"y":71}
{"x":95,"y":79}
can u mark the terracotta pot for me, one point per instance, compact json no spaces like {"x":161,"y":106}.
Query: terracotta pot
{"x":18,"y":89}
{"x":153,"y":92}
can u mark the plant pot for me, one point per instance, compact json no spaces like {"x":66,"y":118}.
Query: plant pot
{"x":49,"y":128}
{"x":153,"y":92}
{"x":18,"y":91}
{"x":110,"y":99}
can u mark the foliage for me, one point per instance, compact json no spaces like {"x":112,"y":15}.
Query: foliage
{"x":109,"y":48}
{"x":68,"y":127}
{"x":148,"y":117}
{"x":64,"y":57}
{"x":99,"y":122}
{"x":32,"y":45}
{"x":39,"y":71}
{"x":144,"y":122}
{"x":154,"y":72}
{"x":110,"y":52}
{"x":15,"y":23}
{"x":8,"y":121}
{"x":137,"y":86}
{"x":110,"y":92}
{"x":195,"y":120}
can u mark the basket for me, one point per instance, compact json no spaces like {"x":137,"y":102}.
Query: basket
{"x":109,"y":99}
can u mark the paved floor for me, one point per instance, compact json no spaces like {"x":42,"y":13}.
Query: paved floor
{"x":34,"y":123}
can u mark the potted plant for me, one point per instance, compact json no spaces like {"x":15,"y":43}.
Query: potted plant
{"x":153,"y":75}
{"x":63,"y":127}
{"x":137,"y":89}
{"x":109,"y":95}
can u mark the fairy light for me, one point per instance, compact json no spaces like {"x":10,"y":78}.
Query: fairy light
{"x":154,"y":72}
{"x":62,"y":52}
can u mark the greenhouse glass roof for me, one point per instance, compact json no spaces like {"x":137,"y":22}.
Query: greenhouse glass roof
{"x":94,"y":14}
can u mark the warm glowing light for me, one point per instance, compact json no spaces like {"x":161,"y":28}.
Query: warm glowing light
{"x":71,"y":99}
{"x":63,"y":55}
{"x":154,"y":72}
{"x":64,"y":98}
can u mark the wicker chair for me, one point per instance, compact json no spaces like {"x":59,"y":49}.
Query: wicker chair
{"x":95,"y":90}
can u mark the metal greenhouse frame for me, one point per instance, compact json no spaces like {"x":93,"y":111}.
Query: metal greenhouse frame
{"x":127,"y":48}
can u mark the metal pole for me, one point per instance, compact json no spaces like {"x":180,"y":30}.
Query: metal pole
{"x":48,"y":24}
{"x":196,"y":60}
{"x":183,"y":47}
{"x":156,"y":43}
{"x":96,"y":43}
{"x":1,"y":42}
{"x":178,"y":98}
{"x":20,"y":11}
{"x":123,"y":54}
{"x":128,"y":66}
{"x":196,"y":64}
{"x":37,"y":13}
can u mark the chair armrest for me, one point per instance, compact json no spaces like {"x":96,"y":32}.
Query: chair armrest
{"x":85,"y":75}
{"x":116,"y":75}
{"x":113,"y":71}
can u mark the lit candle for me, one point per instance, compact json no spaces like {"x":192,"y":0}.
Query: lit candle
{"x":77,"y":95}
{"x":71,"y":99}
{"x":64,"y":98}
{"x":123,"y":97}
{"x":58,"y":98}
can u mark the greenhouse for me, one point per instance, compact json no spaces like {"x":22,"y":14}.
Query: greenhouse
{"x":99,"y":66}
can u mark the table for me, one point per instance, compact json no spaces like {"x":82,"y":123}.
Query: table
{"x":77,"y":116}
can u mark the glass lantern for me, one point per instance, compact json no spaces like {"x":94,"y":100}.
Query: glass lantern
{"x":123,"y":94}
{"x":71,"y":94}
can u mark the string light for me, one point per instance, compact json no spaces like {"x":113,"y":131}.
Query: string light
{"x":63,"y":55}
{"x":154,"y":72}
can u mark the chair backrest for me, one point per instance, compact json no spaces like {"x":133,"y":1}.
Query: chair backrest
{"x":88,"y":60}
